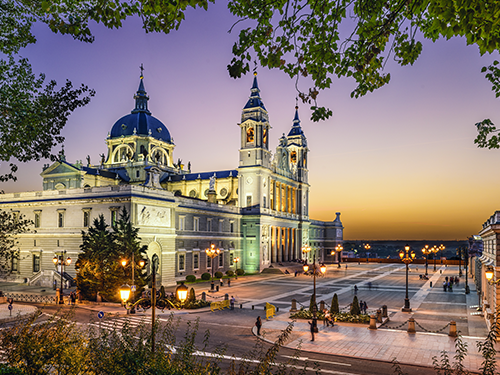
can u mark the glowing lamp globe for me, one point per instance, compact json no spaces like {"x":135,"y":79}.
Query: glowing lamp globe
{"x":125,"y":292}
{"x":182,"y":292}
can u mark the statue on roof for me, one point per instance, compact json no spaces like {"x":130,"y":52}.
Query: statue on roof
{"x":88,"y":160}
{"x":211,"y":184}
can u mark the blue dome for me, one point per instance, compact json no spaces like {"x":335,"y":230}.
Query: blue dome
{"x":144,"y":125}
{"x":140,"y":122}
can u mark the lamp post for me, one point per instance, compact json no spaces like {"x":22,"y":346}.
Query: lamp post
{"x":59,"y":259}
{"x":434,"y":250}
{"x":441,"y":248}
{"x":426,"y":252}
{"x":367,"y":247}
{"x":459,"y":253}
{"x":322,"y":269}
{"x":182,"y":292}
{"x":339,"y":249}
{"x":406,"y":258}
{"x":133,"y":266}
{"x":236,"y":260}
{"x":466,"y":256}
{"x":212,"y":252}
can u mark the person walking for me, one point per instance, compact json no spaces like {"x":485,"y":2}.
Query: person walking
{"x":311,"y":326}
{"x":232,"y":302}
{"x":445,"y":285}
{"x":258,"y":324}
{"x":355,"y":289}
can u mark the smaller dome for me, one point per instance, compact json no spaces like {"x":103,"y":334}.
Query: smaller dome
{"x":142,"y":124}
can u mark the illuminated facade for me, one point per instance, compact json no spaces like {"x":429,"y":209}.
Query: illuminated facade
{"x":258,"y":212}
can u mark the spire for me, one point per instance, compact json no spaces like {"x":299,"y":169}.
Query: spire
{"x":141,"y":97}
{"x":296,"y":129}
{"x":254,"y":100}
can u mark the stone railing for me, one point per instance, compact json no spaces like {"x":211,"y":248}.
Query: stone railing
{"x":36,"y":298}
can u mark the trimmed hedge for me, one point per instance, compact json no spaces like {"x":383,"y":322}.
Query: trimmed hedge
{"x":219,"y":274}
{"x":190,"y":278}
{"x":205,"y":276}
{"x":230,"y":273}
{"x":340,"y":317}
{"x":240,"y":272}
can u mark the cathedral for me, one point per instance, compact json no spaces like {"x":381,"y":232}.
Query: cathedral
{"x":257,"y":213}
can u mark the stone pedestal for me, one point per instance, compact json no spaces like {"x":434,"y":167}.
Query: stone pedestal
{"x":212,"y":196}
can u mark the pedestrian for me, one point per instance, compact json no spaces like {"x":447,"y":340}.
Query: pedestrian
{"x":456,"y":280}
{"x":258,"y":324}
{"x":72,"y":297}
{"x":311,"y":326}
{"x":327,"y":317}
{"x":365,"y":306}
{"x":369,"y":284}
{"x":232,"y":302}
{"x":446,"y":278}
{"x":345,"y":268}
{"x":221,"y":282}
{"x":444,"y":285}
{"x":451,"y":281}
{"x":355,"y":289}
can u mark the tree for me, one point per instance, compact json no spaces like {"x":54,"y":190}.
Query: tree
{"x":334,"y":308}
{"x":321,"y":39}
{"x":127,"y":241}
{"x":98,"y":267}
{"x":312,"y":303}
{"x":11,"y":225}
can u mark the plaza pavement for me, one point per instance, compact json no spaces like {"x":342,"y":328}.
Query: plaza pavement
{"x":378,"y":284}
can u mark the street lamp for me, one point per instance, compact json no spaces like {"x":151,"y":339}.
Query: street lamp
{"x":434,"y":250}
{"x":60,"y":260}
{"x":316,"y":271}
{"x":236,"y":260}
{"x":212,"y":252}
{"x":367,"y":247}
{"x":133,"y":265}
{"x":426,"y":252}
{"x":125,"y":294}
{"x":441,"y":248}
{"x":406,"y":258}
{"x":339,"y":249}
{"x":182,"y":292}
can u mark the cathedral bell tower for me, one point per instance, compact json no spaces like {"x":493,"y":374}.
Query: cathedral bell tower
{"x":297,"y":149}
{"x":255,"y":127}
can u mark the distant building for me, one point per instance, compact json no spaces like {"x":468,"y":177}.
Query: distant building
{"x":489,"y":260}
{"x":258,"y":212}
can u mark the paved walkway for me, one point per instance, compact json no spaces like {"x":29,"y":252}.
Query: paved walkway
{"x":18,"y":310}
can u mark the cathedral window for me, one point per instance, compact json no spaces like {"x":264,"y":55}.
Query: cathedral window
{"x":196,"y":261}
{"x":182,"y":222}
{"x":182,"y":263}
{"x":209,"y":225}
{"x":249,"y":200}
{"x":293,"y":157}
{"x":196,"y":224}
{"x":264,"y":137}
{"x":250,"y":135}
{"x":38,"y":216}
{"x":86,"y":217}
{"x":209,"y":262}
{"x":221,"y":260}
{"x":36,"y":263}
{"x":114,"y":215}
{"x":60,"y":218}
{"x":14,"y":263}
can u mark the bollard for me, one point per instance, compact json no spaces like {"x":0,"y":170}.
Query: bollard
{"x":379,"y":316}
{"x":216,"y":288}
{"x":226,"y":296}
{"x":294,"y":305}
{"x":453,"y":329}
{"x":277,"y":309}
{"x":411,"y":325}
{"x":228,"y":282}
{"x":431,"y":284}
{"x":384,"y":311}
{"x":373,"y":322}
{"x":441,"y":271}
{"x":264,"y":308}
{"x":321,"y":305}
{"x":204,"y":296}
{"x":241,"y":305}
{"x":253,"y":307}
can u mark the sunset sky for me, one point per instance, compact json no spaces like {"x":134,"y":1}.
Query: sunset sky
{"x":399,"y":163}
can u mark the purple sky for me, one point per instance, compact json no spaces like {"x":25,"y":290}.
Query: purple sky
{"x":399,"y":163}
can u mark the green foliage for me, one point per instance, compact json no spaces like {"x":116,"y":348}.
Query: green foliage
{"x":191,"y":278}
{"x":339,"y":317}
{"x":230,"y":273}
{"x":312,"y":303}
{"x":191,"y":295}
{"x":355,"y":310}
{"x":98,"y":266}
{"x":219,"y":274}
{"x":240,"y":272}
{"x":334,"y":309}
{"x":205,"y":276}
{"x":11,"y":226}
{"x":33,"y":113}
{"x":58,"y":346}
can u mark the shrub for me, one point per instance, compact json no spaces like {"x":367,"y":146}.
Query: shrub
{"x":355,"y":310}
{"x":190,"y":278}
{"x":219,"y":274}
{"x":230,"y":273}
{"x":335,"y":305}
{"x":312,"y":304}
{"x":240,"y":272}
{"x":205,"y":276}
{"x":191,"y":296}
